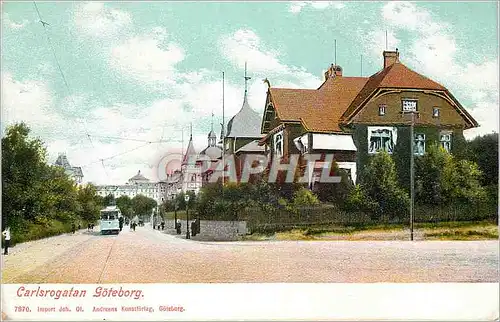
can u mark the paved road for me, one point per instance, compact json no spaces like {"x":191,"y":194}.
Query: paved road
{"x":148,"y":256}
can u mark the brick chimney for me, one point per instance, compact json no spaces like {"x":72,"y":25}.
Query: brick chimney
{"x":333,"y":71}
{"x":391,"y":57}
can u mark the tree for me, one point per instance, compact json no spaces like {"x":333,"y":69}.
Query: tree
{"x":143,"y":205}
{"x":442,"y":179}
{"x":109,"y":200}
{"x":126,"y":206}
{"x":484,"y":151}
{"x":23,"y":164}
{"x":380,"y":185}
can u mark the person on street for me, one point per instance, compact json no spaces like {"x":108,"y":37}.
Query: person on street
{"x":6,"y":234}
{"x":162,"y":225}
{"x":178,"y":226}
{"x":73,"y":228}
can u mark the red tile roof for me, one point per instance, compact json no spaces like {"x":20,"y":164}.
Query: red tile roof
{"x":396,"y":75}
{"x":338,"y":98}
{"x":319,"y":110}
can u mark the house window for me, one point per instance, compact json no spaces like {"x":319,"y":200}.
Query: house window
{"x":381,"y":109}
{"x":435,"y":112}
{"x":409,"y":105}
{"x":278,"y":144}
{"x":381,"y":139}
{"x":445,"y":140}
{"x":419,"y":144}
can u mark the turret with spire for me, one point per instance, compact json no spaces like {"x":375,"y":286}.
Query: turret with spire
{"x":190,"y":152}
{"x":246,"y":123}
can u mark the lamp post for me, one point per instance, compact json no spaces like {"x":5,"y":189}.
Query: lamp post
{"x":186,"y":198}
{"x":412,"y":173}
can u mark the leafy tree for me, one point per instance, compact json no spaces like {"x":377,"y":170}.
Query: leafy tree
{"x":126,"y":206}
{"x":23,"y":165}
{"x":443,"y":179}
{"x":109,"y":200}
{"x":143,"y":205}
{"x":484,"y":151}
{"x":380,"y":185}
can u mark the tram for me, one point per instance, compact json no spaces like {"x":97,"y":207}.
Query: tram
{"x":110,"y":220}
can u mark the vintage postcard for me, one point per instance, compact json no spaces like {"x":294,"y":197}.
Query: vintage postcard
{"x":303,"y":160}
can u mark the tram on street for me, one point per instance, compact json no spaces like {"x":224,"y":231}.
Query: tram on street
{"x":110,"y":220}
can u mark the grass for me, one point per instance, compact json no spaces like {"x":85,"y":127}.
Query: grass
{"x":427,"y":231}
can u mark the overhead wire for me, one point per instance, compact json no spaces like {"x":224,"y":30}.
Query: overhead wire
{"x":89,"y":136}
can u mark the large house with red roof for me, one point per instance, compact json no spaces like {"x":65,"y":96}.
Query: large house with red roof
{"x":355,"y":117}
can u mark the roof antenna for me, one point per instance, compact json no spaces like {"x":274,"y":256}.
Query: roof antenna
{"x":386,"y":44}
{"x":335,"y":53}
{"x":246,"y":79}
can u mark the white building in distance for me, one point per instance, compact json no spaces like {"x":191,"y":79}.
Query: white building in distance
{"x":137,"y":185}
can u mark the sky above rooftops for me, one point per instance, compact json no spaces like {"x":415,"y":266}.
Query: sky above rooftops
{"x":145,"y":71}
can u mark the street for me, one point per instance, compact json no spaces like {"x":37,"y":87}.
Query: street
{"x":149,"y":256}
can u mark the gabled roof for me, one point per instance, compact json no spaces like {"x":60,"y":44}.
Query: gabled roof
{"x":319,"y":109}
{"x":245,"y":124}
{"x":396,"y":75}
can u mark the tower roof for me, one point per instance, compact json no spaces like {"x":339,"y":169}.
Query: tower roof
{"x":62,"y":161}
{"x":139,"y":177}
{"x":189,"y":151}
{"x":245,"y":124}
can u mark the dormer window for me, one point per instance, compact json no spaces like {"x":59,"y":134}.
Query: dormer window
{"x":435,"y":112}
{"x":381,"y":109}
{"x":409,"y":105}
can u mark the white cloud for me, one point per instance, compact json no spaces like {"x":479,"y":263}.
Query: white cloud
{"x":145,"y":59}
{"x":432,"y":51}
{"x":296,"y":7}
{"x":95,"y":19}
{"x":12,"y":24}
{"x":246,"y":46}
{"x":29,"y":101}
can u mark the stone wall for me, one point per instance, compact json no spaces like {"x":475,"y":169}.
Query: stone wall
{"x":211,"y":230}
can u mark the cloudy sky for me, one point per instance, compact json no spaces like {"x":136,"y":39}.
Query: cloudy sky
{"x":142,"y":72}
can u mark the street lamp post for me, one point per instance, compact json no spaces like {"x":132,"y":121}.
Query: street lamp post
{"x":186,"y":198}
{"x":412,"y":174}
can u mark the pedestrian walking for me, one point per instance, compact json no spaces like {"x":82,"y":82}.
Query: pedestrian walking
{"x":79,"y":226}
{"x":162,"y":225}
{"x":178,"y":226}
{"x":73,"y":228}
{"x":6,"y":234}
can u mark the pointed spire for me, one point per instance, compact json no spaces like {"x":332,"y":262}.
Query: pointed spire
{"x":191,"y":131}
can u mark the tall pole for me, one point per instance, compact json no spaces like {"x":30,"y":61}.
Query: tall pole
{"x":187,"y":220}
{"x":223,"y":136}
{"x":412,"y":174}
{"x":335,"y":53}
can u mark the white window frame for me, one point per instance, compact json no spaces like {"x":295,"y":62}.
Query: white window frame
{"x":392,"y":131}
{"x":445,"y":137}
{"x":382,"y":109}
{"x":407,"y":101}
{"x":278,"y":138}
{"x":418,"y":138}
{"x":436,"y":112}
